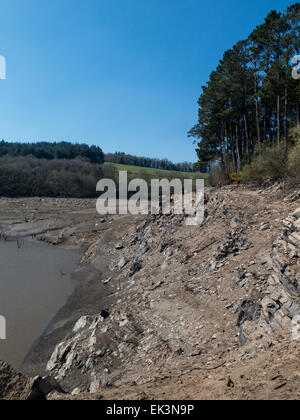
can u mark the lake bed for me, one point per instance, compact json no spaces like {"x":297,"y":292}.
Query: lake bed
{"x":35,"y":282}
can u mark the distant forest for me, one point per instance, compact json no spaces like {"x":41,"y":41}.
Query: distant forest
{"x":49,"y":169}
{"x":63,"y":169}
{"x":47,"y":150}
{"x":94,"y":154}
{"x":27,"y":176}
{"x":125,"y":159}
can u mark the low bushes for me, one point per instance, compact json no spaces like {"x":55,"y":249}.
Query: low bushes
{"x":271,"y":165}
{"x":294,"y":161}
{"x":274,"y":164}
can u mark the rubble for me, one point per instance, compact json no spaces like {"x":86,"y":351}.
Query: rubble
{"x":281,"y":302}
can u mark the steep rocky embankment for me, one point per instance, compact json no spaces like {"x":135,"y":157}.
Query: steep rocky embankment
{"x":183,"y":311}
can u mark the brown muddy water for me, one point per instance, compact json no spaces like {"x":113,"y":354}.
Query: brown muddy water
{"x":35,"y":281}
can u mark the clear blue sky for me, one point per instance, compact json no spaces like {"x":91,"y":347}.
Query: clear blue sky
{"x":122,"y":74}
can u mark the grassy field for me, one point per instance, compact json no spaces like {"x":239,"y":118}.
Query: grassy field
{"x":149,"y":173}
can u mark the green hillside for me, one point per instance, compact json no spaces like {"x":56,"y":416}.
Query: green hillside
{"x":150,"y":173}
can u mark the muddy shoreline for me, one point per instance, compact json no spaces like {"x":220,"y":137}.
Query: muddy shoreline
{"x":72,"y":225}
{"x":35,"y":284}
{"x":87,"y":298}
{"x":66,"y":224}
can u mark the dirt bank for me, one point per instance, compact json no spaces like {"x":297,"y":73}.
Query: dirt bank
{"x":165,"y":310}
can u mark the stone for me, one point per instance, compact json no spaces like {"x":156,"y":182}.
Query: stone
{"x":100,"y":353}
{"x":297,"y":225}
{"x":122,"y":263}
{"x":142,"y":249}
{"x":47,"y":384}
{"x":105,"y":314}
{"x":52,"y":239}
{"x":294,"y":238}
{"x":89,"y":363}
{"x":76,"y":391}
{"x":241,"y":277}
{"x":15,"y":386}
{"x":95,"y":386}
{"x":32,"y":392}
{"x":62,"y":358}
{"x":229,"y":383}
{"x":164,"y":265}
{"x":81,"y":323}
{"x":296,"y":213}
{"x":135,"y":267}
{"x":296,"y":327}
{"x":168,"y":253}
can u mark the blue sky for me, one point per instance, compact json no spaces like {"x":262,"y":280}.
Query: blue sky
{"x":122,"y":74}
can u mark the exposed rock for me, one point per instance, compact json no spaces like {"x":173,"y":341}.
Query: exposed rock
{"x":297,"y":225}
{"x":82,"y":323}
{"x":95,"y":386}
{"x":52,"y":239}
{"x":296,"y":213}
{"x":136,"y":266}
{"x":104,"y":314}
{"x":141,"y":250}
{"x":85,"y":349}
{"x":241,"y":278}
{"x":106,"y":281}
{"x":234,"y":244}
{"x":165,"y":264}
{"x":15,"y":386}
{"x":281,"y":302}
{"x":122,"y":263}
{"x":264,"y":227}
{"x":296,"y":327}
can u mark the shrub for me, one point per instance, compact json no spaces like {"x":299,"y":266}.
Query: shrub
{"x":294,"y":161}
{"x":294,"y":155}
{"x":236,"y":178}
{"x":271,"y":165}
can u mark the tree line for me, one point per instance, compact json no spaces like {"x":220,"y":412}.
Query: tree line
{"x":251,"y":100}
{"x":125,"y":159}
{"x":27,"y":176}
{"x":63,"y":169}
{"x":94,"y":154}
{"x":50,"y":151}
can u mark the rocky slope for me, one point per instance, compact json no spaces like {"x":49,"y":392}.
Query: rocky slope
{"x":174,"y":311}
